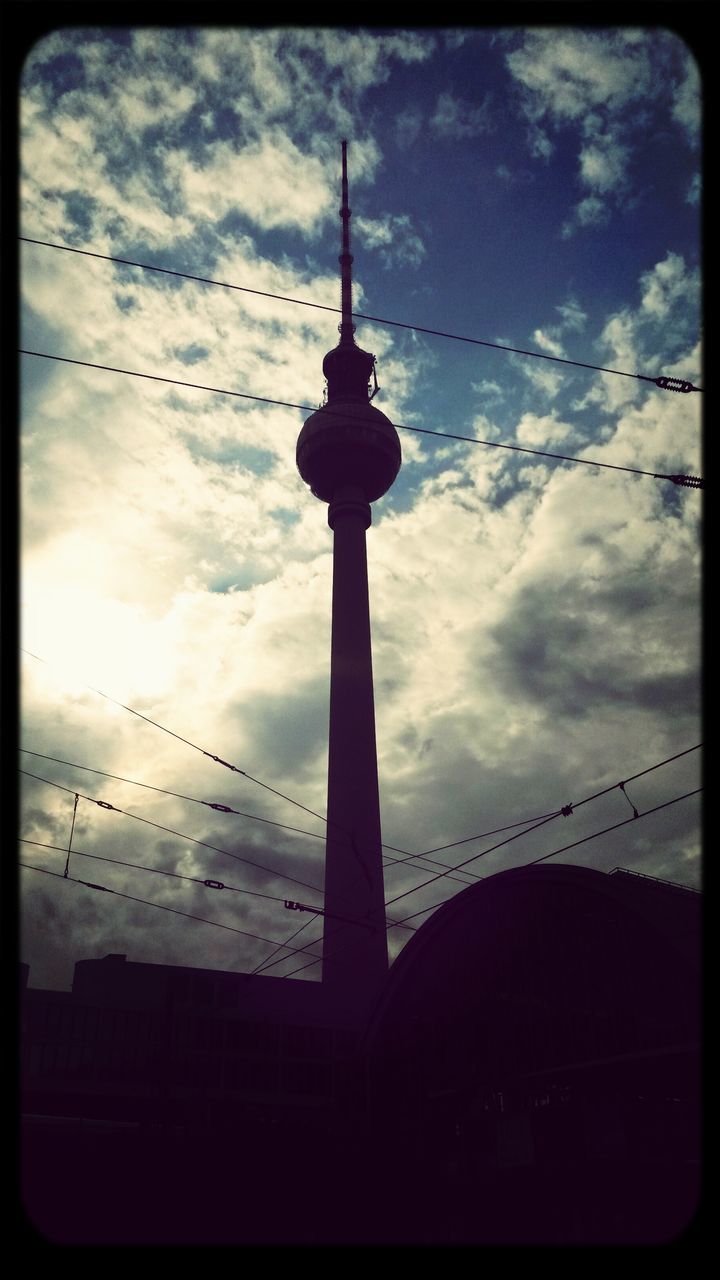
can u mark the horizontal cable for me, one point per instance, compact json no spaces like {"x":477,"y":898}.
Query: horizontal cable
{"x":474,"y":857}
{"x":221,"y":808}
{"x":584,"y":840}
{"x":281,"y":875}
{"x":567,"y":810}
{"x":208,"y":883}
{"x":688,"y":481}
{"x":157,"y":905}
{"x":664,"y":382}
{"x":158,"y":871}
{"x":233,"y":768}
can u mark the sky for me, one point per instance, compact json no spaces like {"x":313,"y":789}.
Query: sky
{"x":536,"y":623}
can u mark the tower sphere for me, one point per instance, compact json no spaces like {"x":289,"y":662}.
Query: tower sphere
{"x":348,"y":442}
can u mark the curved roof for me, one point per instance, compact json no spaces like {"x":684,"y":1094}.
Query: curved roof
{"x":488,"y":914}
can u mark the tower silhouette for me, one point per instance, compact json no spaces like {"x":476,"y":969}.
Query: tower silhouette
{"x":348,"y":452}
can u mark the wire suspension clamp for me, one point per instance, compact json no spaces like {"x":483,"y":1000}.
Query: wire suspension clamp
{"x":72,"y":828}
{"x":688,"y":482}
{"x":674,"y":384}
{"x":218,"y":760}
{"x":632,"y":806}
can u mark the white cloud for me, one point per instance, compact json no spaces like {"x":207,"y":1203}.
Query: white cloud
{"x":666,"y":285}
{"x":588,"y":213}
{"x":487,"y":387}
{"x":536,"y":430}
{"x":270,"y":182}
{"x":543,"y":377}
{"x":394,"y":237}
{"x":541,"y":338}
{"x":566,"y":73}
{"x":455,"y":118}
{"x":541,"y":146}
{"x":407,"y":126}
{"x":590,"y":83}
{"x":572,"y":315}
{"x":602,"y":165}
{"x":694,"y":191}
{"x":686,"y":105}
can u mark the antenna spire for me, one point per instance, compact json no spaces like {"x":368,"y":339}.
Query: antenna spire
{"x":347,"y":328}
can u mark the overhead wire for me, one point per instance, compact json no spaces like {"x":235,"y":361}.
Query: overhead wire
{"x":218,"y":760}
{"x":219,"y":808}
{"x":662,"y":382}
{"x":313,"y":908}
{"x":574,"y":844}
{"x":158,"y":871}
{"x":565,"y":811}
{"x":553,"y":853}
{"x":157,"y":905}
{"x":694,"y":482}
{"x":281,"y":875}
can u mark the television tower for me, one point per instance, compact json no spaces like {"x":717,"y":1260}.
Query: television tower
{"x":348,"y":452}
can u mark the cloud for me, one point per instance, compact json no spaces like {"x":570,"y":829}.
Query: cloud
{"x":686,"y":104}
{"x":549,"y":343}
{"x":602,"y":165}
{"x":488,"y":388}
{"x":514,"y":178}
{"x":589,"y":85}
{"x":455,"y":118}
{"x":536,"y":430}
{"x":394,"y":237}
{"x":564,"y":74}
{"x":544,"y":379}
{"x":694,"y":190}
{"x":541,"y":146}
{"x":407,"y":126}
{"x":271,"y":183}
{"x":590,"y":212}
{"x":666,"y":285}
{"x":572,"y":315}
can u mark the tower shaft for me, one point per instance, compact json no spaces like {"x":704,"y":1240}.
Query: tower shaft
{"x":355,"y":955}
{"x":349,"y":454}
{"x":347,"y":328}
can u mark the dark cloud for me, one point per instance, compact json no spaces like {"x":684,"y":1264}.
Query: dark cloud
{"x":573,"y":657}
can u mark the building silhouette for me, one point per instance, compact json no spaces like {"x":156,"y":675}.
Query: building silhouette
{"x":527,"y":1071}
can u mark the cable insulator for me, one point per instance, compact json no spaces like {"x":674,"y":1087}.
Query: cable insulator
{"x":688,"y":482}
{"x":673,"y":384}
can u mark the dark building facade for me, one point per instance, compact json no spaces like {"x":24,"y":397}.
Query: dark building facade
{"x":537,"y":1045}
{"x":530,"y":1071}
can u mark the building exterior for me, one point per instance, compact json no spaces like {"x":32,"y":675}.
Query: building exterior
{"x":537,"y":1041}
{"x":530,"y":1071}
{"x":149,"y":1083}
